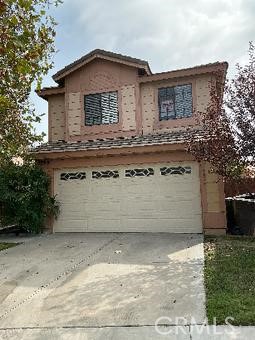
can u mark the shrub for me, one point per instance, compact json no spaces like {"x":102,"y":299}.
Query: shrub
{"x":25,"y":198}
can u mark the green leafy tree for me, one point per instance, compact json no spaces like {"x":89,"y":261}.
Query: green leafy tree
{"x":26,"y":46}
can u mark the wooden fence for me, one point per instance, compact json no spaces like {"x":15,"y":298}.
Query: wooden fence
{"x":247,"y":185}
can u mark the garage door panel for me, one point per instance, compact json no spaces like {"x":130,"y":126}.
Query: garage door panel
{"x":177,"y":188}
{"x":172,"y":214}
{"x":178,"y":222}
{"x":181,"y":184}
{"x":162,"y":225}
{"x":181,"y":198}
{"x":71,"y":225}
{"x":104,"y":225}
{"x":169,"y":205}
{"x":72,"y":194}
{"x":105,"y":215}
{"x":156,"y":199}
{"x":140,"y":188}
{"x":105,"y":198}
{"x":102,"y":206}
{"x":105,"y":189}
{"x":148,"y":201}
{"x":160,"y":188}
{"x":128,"y":205}
{"x":176,"y":179}
{"x":159,"y":210}
{"x":67,"y":211}
{"x":66,"y":186}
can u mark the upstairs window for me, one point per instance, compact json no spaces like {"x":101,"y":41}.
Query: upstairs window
{"x":175,"y":102}
{"x":101,"y":108}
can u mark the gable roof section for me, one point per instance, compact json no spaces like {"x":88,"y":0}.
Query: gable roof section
{"x":133,"y":62}
{"x":111,"y":56}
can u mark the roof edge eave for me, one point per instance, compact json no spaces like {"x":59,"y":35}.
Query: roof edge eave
{"x":45,"y":92}
{"x":186,"y":72}
{"x":113,"y":150}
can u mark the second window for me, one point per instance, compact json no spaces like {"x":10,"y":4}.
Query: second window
{"x":175,"y":102}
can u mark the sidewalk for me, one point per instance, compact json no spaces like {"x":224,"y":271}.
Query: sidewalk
{"x":134,"y":333}
{"x":223,"y":333}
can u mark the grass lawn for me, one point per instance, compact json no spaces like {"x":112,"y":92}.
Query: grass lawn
{"x":5,"y":245}
{"x":230,"y":279}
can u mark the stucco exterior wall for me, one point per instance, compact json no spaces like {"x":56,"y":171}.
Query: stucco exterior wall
{"x":214,"y":203}
{"x":128,"y":107}
{"x":137,"y":102}
{"x":202,"y":92}
{"x":97,"y":77}
{"x":149,"y":103}
{"x":73,"y":113}
{"x":56,"y":117}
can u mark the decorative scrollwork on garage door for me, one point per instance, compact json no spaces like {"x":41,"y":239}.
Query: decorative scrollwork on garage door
{"x":65,"y":176}
{"x":175,"y":170}
{"x":139,"y":172}
{"x":105,"y":174}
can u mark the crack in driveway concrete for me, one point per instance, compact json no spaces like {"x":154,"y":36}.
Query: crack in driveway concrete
{"x":103,"y":281}
{"x":64,"y":273}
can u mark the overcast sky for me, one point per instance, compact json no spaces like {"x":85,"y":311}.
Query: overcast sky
{"x":169,"y":34}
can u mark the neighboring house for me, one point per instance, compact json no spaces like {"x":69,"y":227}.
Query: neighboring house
{"x":116,"y":151}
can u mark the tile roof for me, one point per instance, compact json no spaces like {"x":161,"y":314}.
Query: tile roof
{"x":45,"y":92}
{"x":189,"y":71}
{"x":216,"y":63}
{"x":120,"y":142}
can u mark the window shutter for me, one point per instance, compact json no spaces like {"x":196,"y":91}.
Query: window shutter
{"x":109,"y":104}
{"x":101,"y":108}
{"x":93,"y":109}
{"x":166,"y":103}
{"x":183,"y":101}
{"x":175,"y":102}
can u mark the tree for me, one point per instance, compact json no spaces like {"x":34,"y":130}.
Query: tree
{"x":25,"y":200}
{"x":240,"y":101}
{"x":228,"y":123}
{"x":26,"y":46}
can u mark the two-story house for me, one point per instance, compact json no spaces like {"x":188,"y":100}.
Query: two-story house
{"x":116,"y":151}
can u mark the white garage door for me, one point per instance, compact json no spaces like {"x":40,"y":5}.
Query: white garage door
{"x":133,"y":198}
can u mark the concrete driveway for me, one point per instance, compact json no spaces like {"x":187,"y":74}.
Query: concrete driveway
{"x":100,"y":286}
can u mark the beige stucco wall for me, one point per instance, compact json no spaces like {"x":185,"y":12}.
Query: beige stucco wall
{"x":202,"y":92}
{"x":56,"y":104}
{"x":148,"y":106}
{"x":96,"y":77}
{"x":214,"y":203}
{"x":128,"y":107}
{"x":149,"y":103}
{"x":73,"y":113}
{"x":138,"y":102}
